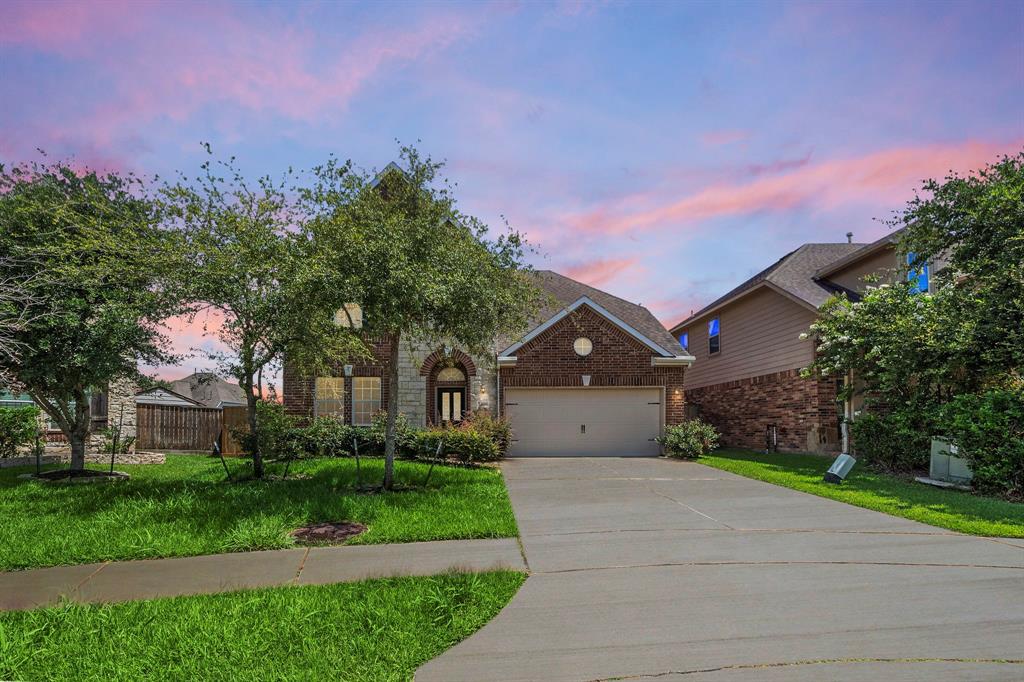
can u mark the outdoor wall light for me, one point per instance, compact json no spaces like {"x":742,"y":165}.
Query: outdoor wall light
{"x":586,"y":379}
{"x":348,"y":370}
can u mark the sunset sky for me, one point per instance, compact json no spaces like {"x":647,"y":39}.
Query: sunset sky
{"x":661,"y":151}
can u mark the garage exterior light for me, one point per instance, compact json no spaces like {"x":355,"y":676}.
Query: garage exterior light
{"x":583,"y":346}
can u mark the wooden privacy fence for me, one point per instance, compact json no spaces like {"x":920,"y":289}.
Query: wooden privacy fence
{"x":234,"y":418}
{"x":170,"y":427}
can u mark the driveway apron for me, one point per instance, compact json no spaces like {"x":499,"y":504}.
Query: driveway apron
{"x":656,"y":569}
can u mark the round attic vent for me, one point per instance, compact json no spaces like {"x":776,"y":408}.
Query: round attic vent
{"x":583,"y":346}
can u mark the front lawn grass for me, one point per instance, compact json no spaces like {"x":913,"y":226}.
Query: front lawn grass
{"x":372,"y":630}
{"x":185,"y":507}
{"x":952,"y":509}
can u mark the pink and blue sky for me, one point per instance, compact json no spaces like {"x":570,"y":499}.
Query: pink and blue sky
{"x":661,"y":151}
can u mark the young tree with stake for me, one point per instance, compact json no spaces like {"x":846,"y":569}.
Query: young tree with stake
{"x":425,"y":273}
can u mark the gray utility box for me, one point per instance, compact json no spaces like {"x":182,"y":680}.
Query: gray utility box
{"x":946,"y":465}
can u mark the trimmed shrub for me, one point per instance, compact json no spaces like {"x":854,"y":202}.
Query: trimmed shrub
{"x":374,"y":435}
{"x":890,"y":442}
{"x":324,"y":437}
{"x":18,"y":426}
{"x":689,"y":440}
{"x":463,"y":444}
{"x":989,"y":430}
{"x":498,"y":430}
{"x":276,"y":431}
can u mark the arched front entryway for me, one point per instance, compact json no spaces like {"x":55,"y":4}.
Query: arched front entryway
{"x":448,"y":373}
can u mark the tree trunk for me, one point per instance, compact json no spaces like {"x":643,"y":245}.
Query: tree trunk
{"x":389,"y":433}
{"x":254,"y":441}
{"x":78,"y":436}
{"x":77,"y":450}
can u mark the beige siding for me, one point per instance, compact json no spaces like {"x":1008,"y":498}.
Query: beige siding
{"x":882,"y":263}
{"x":759,"y":335}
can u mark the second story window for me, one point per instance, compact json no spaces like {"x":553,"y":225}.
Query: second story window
{"x":684,"y":340}
{"x":919,"y":276}
{"x":714,"y":339}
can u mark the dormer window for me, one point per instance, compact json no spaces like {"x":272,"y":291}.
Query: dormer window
{"x":714,"y":338}
{"x":351,"y":315}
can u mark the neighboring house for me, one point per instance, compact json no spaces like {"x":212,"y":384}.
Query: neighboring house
{"x":209,"y":390}
{"x":592,"y":375}
{"x":163,"y":396}
{"x":746,"y":379}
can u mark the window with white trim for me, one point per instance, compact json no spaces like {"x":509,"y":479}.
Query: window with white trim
{"x":365,"y":399}
{"x":329,"y":397}
{"x":714,"y":336}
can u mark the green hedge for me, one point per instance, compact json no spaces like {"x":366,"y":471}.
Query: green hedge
{"x":892,"y":442}
{"x":463,"y":444}
{"x":989,"y":429}
{"x":18,"y":426}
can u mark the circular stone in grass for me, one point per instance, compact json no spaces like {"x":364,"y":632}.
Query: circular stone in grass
{"x":327,"y":533}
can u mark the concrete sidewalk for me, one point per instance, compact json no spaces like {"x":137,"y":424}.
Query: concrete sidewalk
{"x":653,"y":569}
{"x":129,"y":580}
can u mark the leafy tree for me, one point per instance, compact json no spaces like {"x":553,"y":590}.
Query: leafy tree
{"x":426,"y":272}
{"x":98,"y":276}
{"x":912,"y":351}
{"x":253,"y":267}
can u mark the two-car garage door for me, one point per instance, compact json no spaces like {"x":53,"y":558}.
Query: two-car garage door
{"x":584,"y":422}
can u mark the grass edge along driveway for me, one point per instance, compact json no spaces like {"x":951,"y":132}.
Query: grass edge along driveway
{"x":186,"y":508}
{"x":372,"y":630}
{"x":951,"y":509}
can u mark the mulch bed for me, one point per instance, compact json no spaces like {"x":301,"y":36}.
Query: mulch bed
{"x":328,"y":533}
{"x":81,"y":475}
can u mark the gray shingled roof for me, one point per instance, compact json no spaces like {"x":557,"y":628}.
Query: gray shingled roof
{"x":209,"y":389}
{"x":566,"y":291}
{"x":793,"y":273}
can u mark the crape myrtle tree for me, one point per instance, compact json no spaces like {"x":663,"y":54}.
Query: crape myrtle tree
{"x":97,"y":275}
{"x":918,"y":352}
{"x":968,"y":332}
{"x":254,"y":278}
{"x":426,"y":272}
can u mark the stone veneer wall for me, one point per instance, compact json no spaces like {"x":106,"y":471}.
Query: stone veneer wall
{"x":804,"y":411}
{"x":618,"y":359}
{"x":120,"y":396}
{"x":412,"y":384}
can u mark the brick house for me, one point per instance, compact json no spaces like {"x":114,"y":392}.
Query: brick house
{"x":746,"y":378}
{"x":592,"y":375}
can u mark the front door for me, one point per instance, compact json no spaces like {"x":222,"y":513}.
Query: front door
{"x":450,"y":404}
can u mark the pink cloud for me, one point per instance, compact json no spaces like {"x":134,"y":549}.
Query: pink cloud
{"x":600,"y":271}
{"x":716,"y":138}
{"x":884,"y":178}
{"x":148,"y":65}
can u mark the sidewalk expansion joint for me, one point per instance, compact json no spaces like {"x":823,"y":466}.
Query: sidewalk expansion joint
{"x":822,"y":661}
{"x":89,"y":577}
{"x":302,"y":565}
{"x":778,"y":563}
{"x":730,"y":529}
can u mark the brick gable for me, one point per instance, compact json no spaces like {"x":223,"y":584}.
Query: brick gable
{"x":618,"y":359}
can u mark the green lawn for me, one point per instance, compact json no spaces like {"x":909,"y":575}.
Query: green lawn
{"x":952,"y":509}
{"x":185,"y":507}
{"x":373,"y":630}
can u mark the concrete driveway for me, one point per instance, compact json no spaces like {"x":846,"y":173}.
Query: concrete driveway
{"x":653,"y":569}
